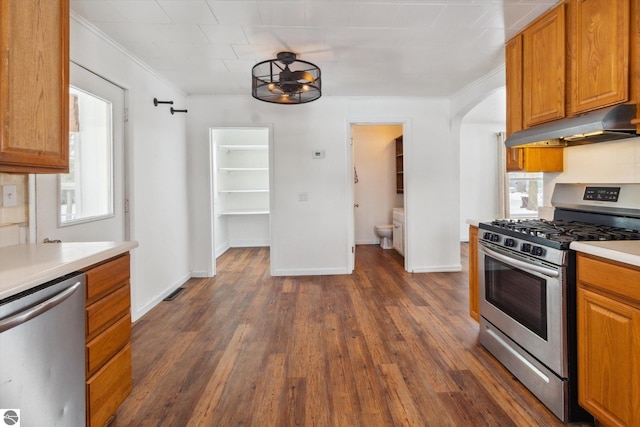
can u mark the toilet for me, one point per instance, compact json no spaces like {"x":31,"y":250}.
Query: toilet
{"x":385,"y":232}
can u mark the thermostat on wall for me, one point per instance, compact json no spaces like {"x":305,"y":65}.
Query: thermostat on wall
{"x":317,"y":154}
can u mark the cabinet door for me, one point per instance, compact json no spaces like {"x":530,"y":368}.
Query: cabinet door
{"x":515,"y":159}
{"x":599,"y":57}
{"x":608,"y":359}
{"x":34,"y":85}
{"x":513,"y":74}
{"x":398,"y":236}
{"x":544,"y":68}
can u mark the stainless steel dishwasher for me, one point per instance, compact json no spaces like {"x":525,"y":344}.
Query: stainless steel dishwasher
{"x":42,"y":359}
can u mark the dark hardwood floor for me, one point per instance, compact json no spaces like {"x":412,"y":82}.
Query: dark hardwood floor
{"x":380,"y":347}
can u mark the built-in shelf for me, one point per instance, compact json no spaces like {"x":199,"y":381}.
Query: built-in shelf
{"x":399,"y":165}
{"x":243,"y":191}
{"x":243,"y":182}
{"x":245,"y":212}
{"x":229,"y":148}
{"x":243,"y":169}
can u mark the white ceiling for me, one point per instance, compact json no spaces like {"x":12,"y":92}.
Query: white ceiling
{"x":363,"y":47}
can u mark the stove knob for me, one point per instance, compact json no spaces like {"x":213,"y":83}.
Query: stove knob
{"x":495,"y":238}
{"x":537,"y":251}
{"x":486,"y":235}
{"x":526,"y":247}
{"x":510,"y":243}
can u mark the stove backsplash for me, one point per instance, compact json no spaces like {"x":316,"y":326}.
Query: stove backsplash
{"x":607,"y":162}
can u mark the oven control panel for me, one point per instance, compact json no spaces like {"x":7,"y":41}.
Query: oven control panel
{"x":523,"y":247}
{"x":602,"y":194}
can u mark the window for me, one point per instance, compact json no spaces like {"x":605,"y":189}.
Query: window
{"x":525,"y":194}
{"x":86,"y":192}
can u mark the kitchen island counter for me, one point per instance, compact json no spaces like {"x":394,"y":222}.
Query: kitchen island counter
{"x":625,"y":251}
{"x":23,"y":267}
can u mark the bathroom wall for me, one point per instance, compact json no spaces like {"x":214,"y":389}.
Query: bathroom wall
{"x":14,"y":219}
{"x":374,"y":155}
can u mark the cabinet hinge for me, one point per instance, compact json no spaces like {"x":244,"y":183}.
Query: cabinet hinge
{"x":126,"y":115}
{"x":126,"y":205}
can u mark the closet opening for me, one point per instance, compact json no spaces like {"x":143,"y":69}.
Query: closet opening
{"x":240,"y":188}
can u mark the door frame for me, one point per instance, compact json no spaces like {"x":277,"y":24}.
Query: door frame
{"x":211,"y":265}
{"x":407,"y":143}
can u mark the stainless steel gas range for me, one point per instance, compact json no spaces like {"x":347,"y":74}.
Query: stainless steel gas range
{"x":528,"y":286}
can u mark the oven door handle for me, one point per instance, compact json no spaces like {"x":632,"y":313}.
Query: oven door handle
{"x":519,"y":264}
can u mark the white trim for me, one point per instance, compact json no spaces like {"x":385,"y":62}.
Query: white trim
{"x":310,"y":272}
{"x":137,"y":314}
{"x":249,"y":243}
{"x":98,"y":32}
{"x":439,"y":269}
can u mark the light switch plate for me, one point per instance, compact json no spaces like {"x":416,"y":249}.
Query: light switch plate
{"x":9,"y":196}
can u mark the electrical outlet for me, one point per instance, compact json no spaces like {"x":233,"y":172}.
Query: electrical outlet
{"x":9,"y":196}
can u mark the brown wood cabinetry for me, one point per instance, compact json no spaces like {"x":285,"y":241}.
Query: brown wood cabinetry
{"x":474,"y":302}
{"x":108,"y":336}
{"x":513,"y":76}
{"x":609,"y":340}
{"x":580,"y":56}
{"x":399,"y":166}
{"x":599,"y":53}
{"x":544,"y":59}
{"x":535,"y":159}
{"x":34,"y":86}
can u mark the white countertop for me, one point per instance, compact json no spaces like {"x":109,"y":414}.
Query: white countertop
{"x":24,"y":266}
{"x":626,"y":251}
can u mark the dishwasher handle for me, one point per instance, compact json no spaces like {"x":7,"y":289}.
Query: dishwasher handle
{"x":28,"y":314}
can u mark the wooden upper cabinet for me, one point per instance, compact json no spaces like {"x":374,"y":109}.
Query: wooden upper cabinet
{"x":34,"y":85}
{"x":599,"y":53}
{"x":544,"y":71}
{"x":513,"y":74}
{"x":535,"y":159}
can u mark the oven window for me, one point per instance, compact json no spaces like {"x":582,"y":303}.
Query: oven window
{"x":519,"y":294}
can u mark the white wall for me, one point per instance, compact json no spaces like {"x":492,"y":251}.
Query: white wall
{"x":156,"y":158}
{"x":601,"y":163}
{"x":315,"y":236}
{"x":374,"y":152}
{"x":479,"y":163}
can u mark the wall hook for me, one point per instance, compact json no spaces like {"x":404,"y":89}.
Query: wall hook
{"x":156,"y":102}
{"x":173,"y":110}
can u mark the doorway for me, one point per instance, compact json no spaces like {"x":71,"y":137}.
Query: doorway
{"x":240,"y":188}
{"x":377,"y":178}
{"x":88,"y":203}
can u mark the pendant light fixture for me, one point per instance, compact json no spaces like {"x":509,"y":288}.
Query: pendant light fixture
{"x":286,"y":80}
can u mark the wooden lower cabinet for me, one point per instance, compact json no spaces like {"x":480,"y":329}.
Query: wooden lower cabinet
{"x":474,"y":302}
{"x":108,"y":339}
{"x":108,"y":388}
{"x":609,"y":340}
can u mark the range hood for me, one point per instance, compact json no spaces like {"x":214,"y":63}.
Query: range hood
{"x":605,"y":124}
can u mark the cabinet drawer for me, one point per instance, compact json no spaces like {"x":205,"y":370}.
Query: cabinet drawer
{"x":108,"y":388}
{"x":104,"y":312}
{"x":604,"y":274}
{"x":108,"y":343}
{"x":105,"y":277}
